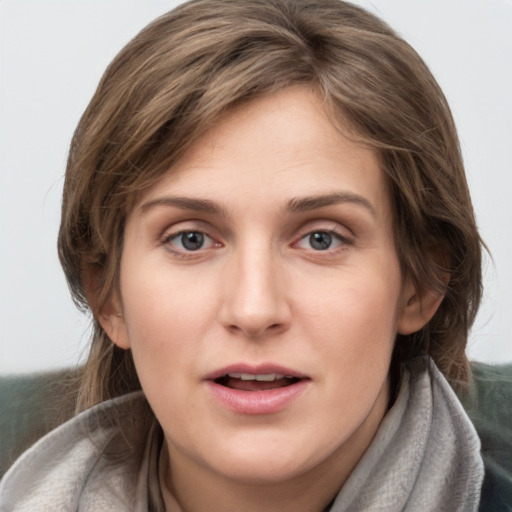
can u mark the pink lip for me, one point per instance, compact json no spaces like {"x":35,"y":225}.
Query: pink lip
{"x":269,"y":401}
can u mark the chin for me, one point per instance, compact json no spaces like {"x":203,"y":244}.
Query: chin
{"x":260,"y":463}
{"x":263,"y":472}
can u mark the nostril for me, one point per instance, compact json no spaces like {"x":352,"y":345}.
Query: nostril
{"x":255,"y":331}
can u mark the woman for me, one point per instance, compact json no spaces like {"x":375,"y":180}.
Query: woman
{"x":265,"y":209}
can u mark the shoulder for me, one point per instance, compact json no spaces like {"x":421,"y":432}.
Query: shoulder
{"x":489,"y":406}
{"x":70,"y":464}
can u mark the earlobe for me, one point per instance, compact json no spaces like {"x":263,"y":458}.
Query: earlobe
{"x":418,"y":308}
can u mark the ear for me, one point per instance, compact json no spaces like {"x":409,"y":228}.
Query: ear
{"x":111,"y":319}
{"x":109,"y":315}
{"x":418,"y":307}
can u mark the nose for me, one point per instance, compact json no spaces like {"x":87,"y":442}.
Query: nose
{"x":255,"y":302}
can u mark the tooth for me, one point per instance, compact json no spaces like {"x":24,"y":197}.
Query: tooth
{"x":266,"y":378}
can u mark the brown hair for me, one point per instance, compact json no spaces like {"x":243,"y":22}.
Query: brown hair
{"x":183,"y":71}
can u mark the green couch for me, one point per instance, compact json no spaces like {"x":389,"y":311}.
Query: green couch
{"x":489,"y":405}
{"x":32,"y":405}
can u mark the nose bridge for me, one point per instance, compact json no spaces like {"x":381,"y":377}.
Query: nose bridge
{"x":255,"y":299}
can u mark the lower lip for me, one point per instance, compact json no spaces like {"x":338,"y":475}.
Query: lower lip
{"x":269,"y":401}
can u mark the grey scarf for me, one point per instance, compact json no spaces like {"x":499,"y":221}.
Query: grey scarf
{"x":424,"y":457}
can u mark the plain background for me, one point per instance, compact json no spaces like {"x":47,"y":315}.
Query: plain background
{"x":52,"y":55}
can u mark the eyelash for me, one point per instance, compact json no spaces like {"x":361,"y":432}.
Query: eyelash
{"x":183,"y":252}
{"x":334,"y":235}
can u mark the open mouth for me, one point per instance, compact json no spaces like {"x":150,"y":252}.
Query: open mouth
{"x":249,"y":382}
{"x":257,"y":389}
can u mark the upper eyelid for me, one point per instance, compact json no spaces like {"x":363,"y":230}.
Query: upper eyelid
{"x":169,"y":235}
{"x":327,"y":225}
{"x":333,"y":232}
{"x":188,"y":224}
{"x":175,"y":234}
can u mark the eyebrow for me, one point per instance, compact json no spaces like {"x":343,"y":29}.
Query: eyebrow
{"x":186,"y":203}
{"x":303,"y":204}
{"x":295,"y":205}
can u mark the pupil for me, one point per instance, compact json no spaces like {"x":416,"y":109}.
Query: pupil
{"x":320,"y":241}
{"x":192,"y":241}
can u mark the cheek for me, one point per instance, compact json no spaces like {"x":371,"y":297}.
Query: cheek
{"x":353,"y":322}
{"x":159,"y":301}
{"x":166,"y":319}
{"x":355,"y":302}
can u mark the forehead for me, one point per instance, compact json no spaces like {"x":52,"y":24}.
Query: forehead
{"x":279,"y":146}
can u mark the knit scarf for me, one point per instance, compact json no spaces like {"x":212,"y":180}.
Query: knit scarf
{"x":425,"y":455}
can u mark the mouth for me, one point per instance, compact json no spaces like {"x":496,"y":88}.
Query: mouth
{"x":255,"y":382}
{"x":257,"y":390}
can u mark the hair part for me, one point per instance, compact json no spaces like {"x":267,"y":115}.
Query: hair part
{"x":180,"y":74}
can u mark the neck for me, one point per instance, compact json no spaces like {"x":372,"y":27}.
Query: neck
{"x":215,"y":494}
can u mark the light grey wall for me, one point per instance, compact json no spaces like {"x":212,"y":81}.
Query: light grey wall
{"x":52,"y":55}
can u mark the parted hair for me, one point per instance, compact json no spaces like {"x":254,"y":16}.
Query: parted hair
{"x":181,"y":73}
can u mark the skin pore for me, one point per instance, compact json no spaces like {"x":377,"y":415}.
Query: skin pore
{"x":268,"y":246}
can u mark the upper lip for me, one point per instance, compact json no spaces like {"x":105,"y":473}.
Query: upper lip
{"x":261,"y":369}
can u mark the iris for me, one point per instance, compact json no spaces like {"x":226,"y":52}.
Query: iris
{"x":320,"y":240}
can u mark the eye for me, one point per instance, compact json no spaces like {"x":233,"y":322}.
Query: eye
{"x":321,"y":240}
{"x":188,"y":241}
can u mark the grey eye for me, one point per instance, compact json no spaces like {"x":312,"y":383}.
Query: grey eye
{"x":192,"y":240}
{"x":189,"y":240}
{"x":320,"y":240}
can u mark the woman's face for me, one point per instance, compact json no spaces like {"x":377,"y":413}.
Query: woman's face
{"x":261,"y":294}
